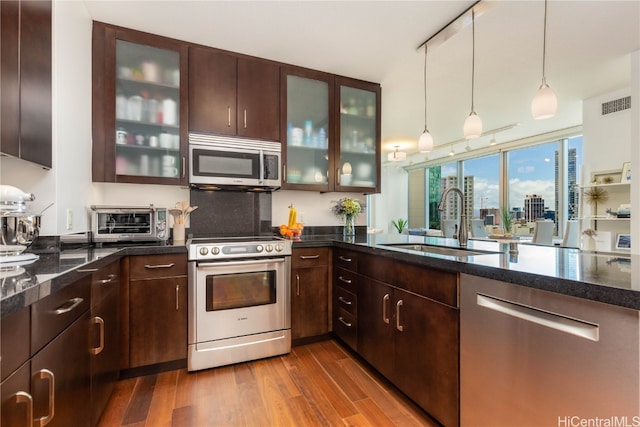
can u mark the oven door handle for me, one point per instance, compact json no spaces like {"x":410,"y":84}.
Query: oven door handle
{"x":215,"y":264}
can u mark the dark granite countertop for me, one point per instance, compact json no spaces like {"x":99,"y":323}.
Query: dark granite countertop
{"x":58,"y":267}
{"x":602,"y":277}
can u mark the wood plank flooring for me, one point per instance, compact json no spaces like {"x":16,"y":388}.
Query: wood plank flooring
{"x":318,"y":384}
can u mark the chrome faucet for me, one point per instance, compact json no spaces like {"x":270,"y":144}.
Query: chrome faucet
{"x":463,"y":234}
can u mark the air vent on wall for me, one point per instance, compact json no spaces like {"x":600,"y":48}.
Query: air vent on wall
{"x":616,"y":105}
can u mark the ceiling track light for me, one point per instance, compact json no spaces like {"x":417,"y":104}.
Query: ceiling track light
{"x":473,"y":125}
{"x":545,"y":102}
{"x":425,"y":143}
{"x":397,"y":156}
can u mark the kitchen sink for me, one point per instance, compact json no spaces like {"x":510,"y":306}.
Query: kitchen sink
{"x":441,"y":250}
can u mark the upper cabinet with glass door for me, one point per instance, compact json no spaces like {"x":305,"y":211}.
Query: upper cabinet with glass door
{"x":307,"y":99}
{"x":139,"y":122}
{"x":357,"y":151}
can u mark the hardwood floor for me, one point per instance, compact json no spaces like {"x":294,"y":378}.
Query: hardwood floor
{"x":318,"y":384}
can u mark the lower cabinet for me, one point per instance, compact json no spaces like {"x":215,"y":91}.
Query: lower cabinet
{"x":157,"y":309}
{"x":411,"y":337}
{"x":309,"y":292}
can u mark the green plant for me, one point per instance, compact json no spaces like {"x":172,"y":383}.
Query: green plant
{"x":506,"y":219}
{"x":400,"y":224}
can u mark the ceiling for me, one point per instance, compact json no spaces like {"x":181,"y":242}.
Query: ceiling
{"x":588,"y":47}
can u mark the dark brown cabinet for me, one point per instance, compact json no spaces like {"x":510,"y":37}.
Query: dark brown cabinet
{"x":332,"y":140}
{"x":408,"y":329}
{"x":309,"y":292}
{"x":157,"y":309}
{"x":345,"y":297}
{"x":233,"y":95}
{"x":104,"y":336}
{"x":25,"y":80}
{"x":140,"y":107}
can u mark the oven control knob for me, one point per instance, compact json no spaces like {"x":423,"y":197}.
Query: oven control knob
{"x":259,"y":248}
{"x":204,"y":251}
{"x":269,"y":248}
{"x":279,"y":247}
{"x":215,"y":250}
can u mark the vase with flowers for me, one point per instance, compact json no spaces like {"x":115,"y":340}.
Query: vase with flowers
{"x":347,"y":209}
{"x":588,"y":240}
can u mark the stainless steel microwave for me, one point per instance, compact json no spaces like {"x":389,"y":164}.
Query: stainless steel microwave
{"x":233,"y":163}
{"x":129,"y":224}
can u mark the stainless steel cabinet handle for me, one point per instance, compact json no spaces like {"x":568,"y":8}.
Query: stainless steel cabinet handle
{"x":68,"y":306}
{"x":398,"y":325}
{"x":184,"y":166}
{"x":338,"y":176}
{"x":110,"y":278}
{"x":342,"y":279}
{"x":23,"y":397}
{"x":345,"y":259}
{"x":245,"y":118}
{"x":177,"y":297}
{"x":159,"y":265}
{"x":228,"y":116}
{"x":344,"y":322}
{"x":535,"y":315}
{"x":45,"y":374}
{"x":385,"y":317}
{"x":97,"y":350}
{"x":309,"y":256}
{"x":87,"y":270}
{"x":344,"y":301}
{"x":297,"y":285}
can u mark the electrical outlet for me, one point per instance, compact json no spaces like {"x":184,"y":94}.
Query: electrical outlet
{"x":69,"y":219}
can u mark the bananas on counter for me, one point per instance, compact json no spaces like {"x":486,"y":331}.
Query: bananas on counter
{"x":292,"y":228}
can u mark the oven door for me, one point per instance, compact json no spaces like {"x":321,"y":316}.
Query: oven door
{"x":238,"y":298}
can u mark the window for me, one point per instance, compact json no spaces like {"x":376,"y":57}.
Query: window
{"x":539,"y":182}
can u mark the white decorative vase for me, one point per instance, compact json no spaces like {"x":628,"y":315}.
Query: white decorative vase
{"x":588,"y":243}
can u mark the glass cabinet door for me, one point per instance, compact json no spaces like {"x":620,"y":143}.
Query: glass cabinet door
{"x":308,"y":133}
{"x":147,"y":111}
{"x":358,"y":151}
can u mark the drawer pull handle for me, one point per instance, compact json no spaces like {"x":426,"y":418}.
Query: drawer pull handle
{"x":24,"y":397}
{"x":100,"y":322}
{"x":345,"y":259}
{"x":344,"y":301}
{"x":398,"y":325}
{"x":342,"y":279}
{"x":68,"y":306}
{"x":309,"y":256}
{"x":344,"y":322}
{"x":87,"y":270}
{"x":109,"y":279}
{"x":385,"y":317}
{"x":45,"y":374}
{"x":151,"y":267}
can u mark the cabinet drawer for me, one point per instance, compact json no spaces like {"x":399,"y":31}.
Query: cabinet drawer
{"x":309,"y":257}
{"x":345,"y":326}
{"x":15,"y":341}
{"x":346,"y":279}
{"x":156,"y":266}
{"x":53,"y":314}
{"x":346,"y":259}
{"x":346,"y":301}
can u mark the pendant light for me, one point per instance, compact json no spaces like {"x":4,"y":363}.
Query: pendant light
{"x":545,"y":102}
{"x":397,"y":156}
{"x":473,"y":125}
{"x":451,"y":152}
{"x":425,"y":143}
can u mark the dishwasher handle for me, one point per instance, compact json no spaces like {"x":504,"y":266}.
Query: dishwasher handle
{"x":541,"y":317}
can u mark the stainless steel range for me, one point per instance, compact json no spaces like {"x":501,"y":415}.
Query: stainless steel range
{"x":239,"y":300}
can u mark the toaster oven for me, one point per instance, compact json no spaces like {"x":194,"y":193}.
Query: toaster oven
{"x":129,"y":224}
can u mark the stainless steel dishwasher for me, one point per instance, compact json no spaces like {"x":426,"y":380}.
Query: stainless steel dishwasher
{"x":536,"y":358}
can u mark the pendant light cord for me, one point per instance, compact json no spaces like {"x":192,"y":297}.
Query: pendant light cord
{"x":425,"y":87}
{"x":544,"y":46}
{"x":473,"y":56}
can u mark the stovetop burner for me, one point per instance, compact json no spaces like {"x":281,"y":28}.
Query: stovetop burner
{"x":224,"y":248}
